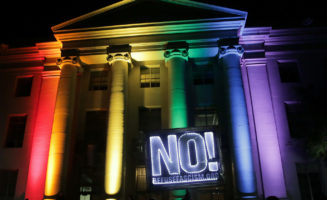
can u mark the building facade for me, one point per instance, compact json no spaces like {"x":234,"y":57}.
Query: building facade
{"x":76,"y":112}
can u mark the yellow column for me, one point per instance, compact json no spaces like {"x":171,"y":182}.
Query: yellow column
{"x":115,"y":136}
{"x":61,"y":129}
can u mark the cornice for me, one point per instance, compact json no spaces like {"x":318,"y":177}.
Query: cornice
{"x":148,"y":29}
{"x":41,"y":53}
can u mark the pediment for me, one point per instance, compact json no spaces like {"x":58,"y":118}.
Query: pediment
{"x":149,"y":11}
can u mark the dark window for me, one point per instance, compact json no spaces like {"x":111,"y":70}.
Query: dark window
{"x":96,"y":129}
{"x":15,"y":131}
{"x":203,"y":75}
{"x":93,"y":154}
{"x":149,"y":119}
{"x":8,"y":179}
{"x":288,"y":72}
{"x":23,"y":86}
{"x":149,"y":77}
{"x":296,"y":119}
{"x":309,"y":181}
{"x":205,"y":116}
{"x":98,"y":80}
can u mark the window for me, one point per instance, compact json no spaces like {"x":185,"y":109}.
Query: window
{"x":140,"y":178}
{"x":15,"y":131}
{"x":203,"y":74}
{"x":296,"y":119}
{"x":205,"y":116}
{"x":95,"y":133}
{"x":8,"y":179}
{"x":98,"y":80}
{"x":23,"y":86}
{"x":149,"y":119}
{"x":91,"y":157}
{"x":150,"y":76}
{"x":288,"y":72}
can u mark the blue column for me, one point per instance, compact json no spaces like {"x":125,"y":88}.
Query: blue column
{"x":229,"y":57}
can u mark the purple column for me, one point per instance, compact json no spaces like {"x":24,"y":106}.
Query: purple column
{"x":266,"y":133}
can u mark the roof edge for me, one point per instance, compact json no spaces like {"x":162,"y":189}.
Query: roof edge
{"x":208,"y":7}
{"x":91,"y":14}
{"x":124,"y":2}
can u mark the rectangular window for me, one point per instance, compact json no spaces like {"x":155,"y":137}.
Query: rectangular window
{"x":96,"y":129}
{"x":149,"y":119}
{"x":23,"y":86}
{"x":150,"y":76}
{"x":92,"y":154}
{"x":296,"y":119}
{"x":98,"y":80}
{"x":288,"y":72}
{"x":16,"y":131}
{"x":205,"y":116}
{"x":8,"y":179}
{"x":140,"y":178}
{"x":203,"y":74}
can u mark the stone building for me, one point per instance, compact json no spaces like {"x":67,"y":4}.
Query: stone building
{"x":76,"y":112}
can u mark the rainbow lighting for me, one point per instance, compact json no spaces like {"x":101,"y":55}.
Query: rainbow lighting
{"x":180,"y":157}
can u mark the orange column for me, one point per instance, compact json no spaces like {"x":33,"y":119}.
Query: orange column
{"x":61,"y":129}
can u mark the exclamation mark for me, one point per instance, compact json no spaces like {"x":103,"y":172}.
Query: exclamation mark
{"x":213,"y":165}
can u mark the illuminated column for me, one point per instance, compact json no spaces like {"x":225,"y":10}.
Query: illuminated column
{"x":229,"y":57}
{"x":176,"y":59}
{"x":61,"y":129}
{"x":266,"y":132}
{"x":176,"y":63}
{"x":118,"y":62}
{"x":41,"y":137}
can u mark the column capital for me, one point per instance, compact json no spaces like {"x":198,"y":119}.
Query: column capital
{"x":173,"y":53}
{"x":115,"y":56}
{"x":119,"y":52}
{"x":176,"y":49}
{"x":73,"y":60}
{"x":230,"y":49}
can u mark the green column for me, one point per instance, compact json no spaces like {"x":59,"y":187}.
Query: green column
{"x":176,"y":63}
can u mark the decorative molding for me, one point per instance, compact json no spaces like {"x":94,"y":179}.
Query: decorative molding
{"x":231,"y":49}
{"x":148,"y":29}
{"x":173,"y":53}
{"x":72,"y":60}
{"x":123,"y":56}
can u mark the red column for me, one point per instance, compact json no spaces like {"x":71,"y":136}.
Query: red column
{"x":41,"y":137}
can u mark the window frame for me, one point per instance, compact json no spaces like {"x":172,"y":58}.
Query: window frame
{"x":5,"y":142}
{"x":153,"y":79}
{"x":17,"y":86}
{"x":105,"y":79}
{"x":283,"y":78}
{"x":203,"y":74}
{"x":16,"y":173}
{"x":206,"y":110}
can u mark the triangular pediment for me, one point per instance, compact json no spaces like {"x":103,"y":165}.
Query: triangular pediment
{"x":149,"y":11}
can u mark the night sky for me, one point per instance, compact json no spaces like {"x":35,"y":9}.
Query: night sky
{"x":24,"y":23}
